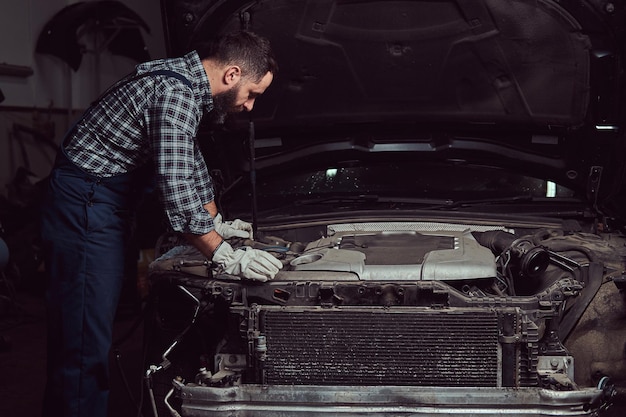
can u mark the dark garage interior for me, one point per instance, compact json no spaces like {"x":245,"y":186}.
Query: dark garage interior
{"x":44,"y":86}
{"x":438,"y":188}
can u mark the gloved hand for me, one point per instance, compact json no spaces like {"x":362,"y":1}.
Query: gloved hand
{"x":235,"y":228}
{"x":246,"y":262}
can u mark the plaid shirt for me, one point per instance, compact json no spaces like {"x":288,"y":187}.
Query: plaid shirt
{"x":153,"y":119}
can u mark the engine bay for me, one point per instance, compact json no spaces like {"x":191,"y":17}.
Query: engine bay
{"x":393,"y":304}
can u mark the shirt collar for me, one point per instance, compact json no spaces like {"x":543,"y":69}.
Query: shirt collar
{"x":201,"y":81}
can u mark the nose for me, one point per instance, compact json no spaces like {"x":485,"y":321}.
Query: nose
{"x":248,"y":105}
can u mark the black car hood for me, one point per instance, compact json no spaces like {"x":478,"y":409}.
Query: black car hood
{"x":532,"y":84}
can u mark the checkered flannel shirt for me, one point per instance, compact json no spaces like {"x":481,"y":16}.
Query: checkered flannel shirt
{"x":153,"y":119}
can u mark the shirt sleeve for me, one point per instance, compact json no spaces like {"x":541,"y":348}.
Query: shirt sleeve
{"x":182,"y":179}
{"x":202,"y":178}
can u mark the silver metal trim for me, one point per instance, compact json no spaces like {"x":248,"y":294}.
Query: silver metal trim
{"x":408,"y":226}
{"x":312,"y":401}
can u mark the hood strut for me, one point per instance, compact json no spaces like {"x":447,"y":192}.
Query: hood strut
{"x":252,"y":157}
{"x":245,"y":23}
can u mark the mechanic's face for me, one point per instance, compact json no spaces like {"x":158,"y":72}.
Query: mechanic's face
{"x":239,"y":97}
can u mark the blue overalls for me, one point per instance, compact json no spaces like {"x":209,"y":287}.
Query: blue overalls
{"x":86,"y":224}
{"x":85,"y":227}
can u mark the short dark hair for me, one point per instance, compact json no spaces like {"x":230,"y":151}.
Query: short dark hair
{"x":251,"y":52}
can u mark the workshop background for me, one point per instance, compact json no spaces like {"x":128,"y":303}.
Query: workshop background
{"x":56,"y":57}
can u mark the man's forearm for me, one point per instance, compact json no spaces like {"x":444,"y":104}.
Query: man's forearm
{"x":206,"y":244}
{"x":211,"y":208}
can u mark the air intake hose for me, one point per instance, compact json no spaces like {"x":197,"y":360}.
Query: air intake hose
{"x":531,"y":260}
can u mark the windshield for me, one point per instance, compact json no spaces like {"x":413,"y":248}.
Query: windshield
{"x":406,"y":183}
{"x":436,"y":182}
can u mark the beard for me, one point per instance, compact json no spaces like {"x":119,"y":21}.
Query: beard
{"x":224,"y":105}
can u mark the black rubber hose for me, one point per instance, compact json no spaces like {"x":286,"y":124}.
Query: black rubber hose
{"x":497,"y":241}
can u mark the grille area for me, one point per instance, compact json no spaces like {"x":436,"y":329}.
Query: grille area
{"x":373,"y":347}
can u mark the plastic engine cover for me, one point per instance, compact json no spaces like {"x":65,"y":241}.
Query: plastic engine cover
{"x":406,"y":255}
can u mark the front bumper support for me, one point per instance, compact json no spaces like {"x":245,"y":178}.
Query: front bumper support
{"x":313,"y":401}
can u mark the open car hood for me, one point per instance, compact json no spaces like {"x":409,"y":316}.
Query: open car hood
{"x":533,"y":85}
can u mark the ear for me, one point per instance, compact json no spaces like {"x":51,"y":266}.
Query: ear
{"x":232,"y":75}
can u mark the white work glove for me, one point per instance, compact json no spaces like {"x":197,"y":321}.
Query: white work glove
{"x":235,"y":228}
{"x":246,"y":262}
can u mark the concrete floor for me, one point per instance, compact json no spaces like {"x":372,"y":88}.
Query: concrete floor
{"x":22,"y":357}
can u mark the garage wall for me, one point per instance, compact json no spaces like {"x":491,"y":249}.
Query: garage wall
{"x":42,"y":94}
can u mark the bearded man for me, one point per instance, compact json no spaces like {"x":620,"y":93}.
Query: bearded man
{"x":143,"y":127}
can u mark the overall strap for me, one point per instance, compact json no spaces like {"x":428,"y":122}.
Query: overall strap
{"x":169,"y":73}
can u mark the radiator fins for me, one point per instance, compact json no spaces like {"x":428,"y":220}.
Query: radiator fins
{"x":385,"y":347}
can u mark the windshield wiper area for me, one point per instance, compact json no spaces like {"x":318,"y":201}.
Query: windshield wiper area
{"x":369,"y":199}
{"x":523,"y":202}
{"x":453,"y":204}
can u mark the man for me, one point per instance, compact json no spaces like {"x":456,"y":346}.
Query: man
{"x":143,"y":127}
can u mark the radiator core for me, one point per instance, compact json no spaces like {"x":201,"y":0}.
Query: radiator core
{"x":356,"y":346}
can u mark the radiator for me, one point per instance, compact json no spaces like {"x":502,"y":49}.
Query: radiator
{"x":360,"y":346}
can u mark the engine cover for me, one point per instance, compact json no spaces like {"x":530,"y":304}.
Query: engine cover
{"x":400,"y":255}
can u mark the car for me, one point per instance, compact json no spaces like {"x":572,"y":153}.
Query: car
{"x":443,"y":182}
